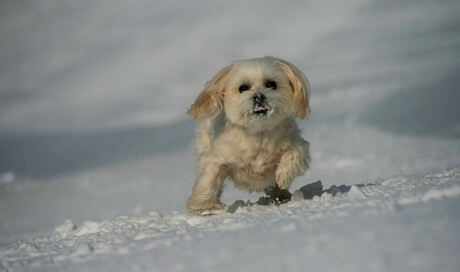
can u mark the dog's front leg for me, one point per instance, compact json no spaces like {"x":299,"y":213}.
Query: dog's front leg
{"x":208,"y":188}
{"x":294,"y":162}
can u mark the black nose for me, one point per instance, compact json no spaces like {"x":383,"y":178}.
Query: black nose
{"x":259,"y":98}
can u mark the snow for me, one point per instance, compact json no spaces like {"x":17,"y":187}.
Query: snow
{"x":96,"y":153}
{"x":385,"y":224}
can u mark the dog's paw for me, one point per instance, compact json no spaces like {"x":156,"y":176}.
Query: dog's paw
{"x":212,"y":212}
{"x":217,"y":206}
{"x":201,"y":207}
{"x":282,"y":180}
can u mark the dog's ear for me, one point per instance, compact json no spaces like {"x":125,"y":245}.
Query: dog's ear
{"x":211,"y":99}
{"x":300,"y":87}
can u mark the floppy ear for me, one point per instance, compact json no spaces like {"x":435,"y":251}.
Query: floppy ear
{"x":300,"y":87}
{"x":211,"y":99}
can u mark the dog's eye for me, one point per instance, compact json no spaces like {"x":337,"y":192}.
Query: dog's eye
{"x":243,"y":88}
{"x":270,"y":84}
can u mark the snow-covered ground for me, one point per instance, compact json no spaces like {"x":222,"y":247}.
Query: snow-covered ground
{"x":96,"y":153}
{"x":406,"y":223}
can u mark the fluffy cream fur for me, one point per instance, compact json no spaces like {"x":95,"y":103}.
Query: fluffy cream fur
{"x":256,"y":144}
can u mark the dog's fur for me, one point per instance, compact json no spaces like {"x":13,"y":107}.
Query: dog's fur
{"x":256,"y":144}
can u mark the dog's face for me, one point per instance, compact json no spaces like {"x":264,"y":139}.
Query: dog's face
{"x":256,"y":94}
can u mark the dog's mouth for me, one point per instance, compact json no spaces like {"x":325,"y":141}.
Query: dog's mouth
{"x":259,"y":110}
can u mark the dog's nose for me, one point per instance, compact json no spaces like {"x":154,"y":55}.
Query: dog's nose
{"x":259,"y":98}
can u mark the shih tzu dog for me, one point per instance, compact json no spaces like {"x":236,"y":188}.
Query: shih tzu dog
{"x":247,"y":131}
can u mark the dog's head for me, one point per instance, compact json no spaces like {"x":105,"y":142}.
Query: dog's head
{"x":255,"y":93}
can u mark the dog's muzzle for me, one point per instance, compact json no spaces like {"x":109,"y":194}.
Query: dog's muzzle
{"x":259,"y":104}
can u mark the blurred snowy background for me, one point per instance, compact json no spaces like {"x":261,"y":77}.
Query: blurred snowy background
{"x":93,"y":96}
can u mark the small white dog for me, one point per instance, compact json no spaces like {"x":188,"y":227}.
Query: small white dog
{"x":247,"y":131}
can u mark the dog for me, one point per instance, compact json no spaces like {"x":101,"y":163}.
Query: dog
{"x":247,"y":130}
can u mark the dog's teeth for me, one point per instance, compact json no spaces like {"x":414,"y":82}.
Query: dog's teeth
{"x":261,"y":110}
